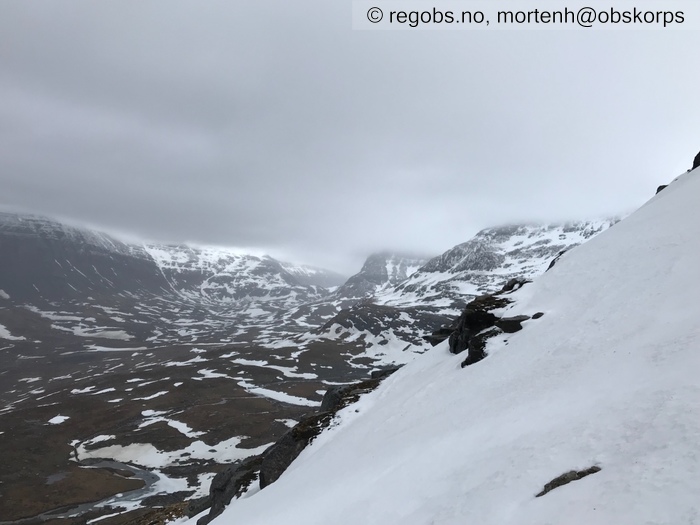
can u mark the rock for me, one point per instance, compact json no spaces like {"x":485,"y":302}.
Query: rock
{"x":198,"y":505}
{"x":537,"y":315}
{"x":230,"y":483}
{"x":279,"y":456}
{"x":338,"y":397}
{"x":471,"y":322}
{"x":554,"y":261}
{"x":381,"y":374}
{"x":510,"y":325}
{"x":438,"y":336}
{"x":661,"y":188}
{"x":568,"y":477}
{"x":477,"y":345}
{"x":696,"y":161}
{"x":514,"y":284}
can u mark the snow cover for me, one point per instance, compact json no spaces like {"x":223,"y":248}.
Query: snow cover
{"x":5,"y":334}
{"x":57,"y":420}
{"x":607,"y":377}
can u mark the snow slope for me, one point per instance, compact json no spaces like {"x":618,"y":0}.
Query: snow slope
{"x":607,"y":377}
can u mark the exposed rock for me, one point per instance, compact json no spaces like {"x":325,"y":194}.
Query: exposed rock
{"x":568,"y":477}
{"x":477,"y":346}
{"x":475,"y":318}
{"x":230,"y":483}
{"x":661,"y":188}
{"x":537,"y":315}
{"x":197,"y":505}
{"x":554,"y":261}
{"x":439,"y":335}
{"x":381,"y":374}
{"x":696,"y":161}
{"x":341,"y":396}
{"x":514,"y":284}
{"x":510,"y":325}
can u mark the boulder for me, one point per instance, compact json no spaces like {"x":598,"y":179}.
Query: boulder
{"x":696,"y":161}
{"x":661,"y":188}
{"x":510,"y":325}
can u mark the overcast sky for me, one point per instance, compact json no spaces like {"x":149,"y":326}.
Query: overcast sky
{"x":274,"y":125}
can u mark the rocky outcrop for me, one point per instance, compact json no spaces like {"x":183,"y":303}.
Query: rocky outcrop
{"x":696,"y":161}
{"x":271,"y":464}
{"x":226,"y":485}
{"x":478,"y":323}
{"x":470,"y":331}
{"x":567,"y":477}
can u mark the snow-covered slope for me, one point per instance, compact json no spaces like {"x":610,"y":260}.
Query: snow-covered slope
{"x":606,"y":378}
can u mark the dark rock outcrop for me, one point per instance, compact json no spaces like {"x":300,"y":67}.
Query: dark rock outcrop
{"x":567,"y":477}
{"x":510,"y":325}
{"x":271,"y":464}
{"x":278,"y":457}
{"x":696,"y":161}
{"x":661,"y":187}
{"x":537,"y":315}
{"x":439,"y":335}
{"x":229,"y":484}
{"x":477,"y":346}
{"x":554,"y":261}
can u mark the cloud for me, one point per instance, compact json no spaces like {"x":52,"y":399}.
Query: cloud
{"x":274,"y":125}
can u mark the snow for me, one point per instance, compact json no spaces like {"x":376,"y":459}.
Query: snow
{"x":4,"y":294}
{"x":57,"y":420}
{"x":277,"y":396}
{"x":607,"y":377}
{"x":146,"y":455}
{"x":5,"y":334}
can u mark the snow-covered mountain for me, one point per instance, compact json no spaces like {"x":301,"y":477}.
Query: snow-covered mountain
{"x":487,"y":261}
{"x":379,"y":272}
{"x":589,"y":414}
{"x":175,"y":361}
{"x":394,"y":318}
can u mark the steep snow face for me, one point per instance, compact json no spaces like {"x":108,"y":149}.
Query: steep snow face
{"x":607,"y":377}
{"x":483,"y":264}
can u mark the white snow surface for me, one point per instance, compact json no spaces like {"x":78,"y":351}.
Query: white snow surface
{"x":5,"y":334}
{"x":607,"y":377}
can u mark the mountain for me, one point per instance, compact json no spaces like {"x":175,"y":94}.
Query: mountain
{"x":488,"y":260}
{"x":590,"y":413}
{"x":175,"y":362}
{"x":380,"y":271}
{"x":396,"y":316}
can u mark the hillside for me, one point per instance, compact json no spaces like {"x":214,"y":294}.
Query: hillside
{"x":606,"y":379}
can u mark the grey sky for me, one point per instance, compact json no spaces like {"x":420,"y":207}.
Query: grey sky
{"x":274,"y":125}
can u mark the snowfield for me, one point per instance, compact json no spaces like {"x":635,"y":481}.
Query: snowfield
{"x":608,"y":378}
